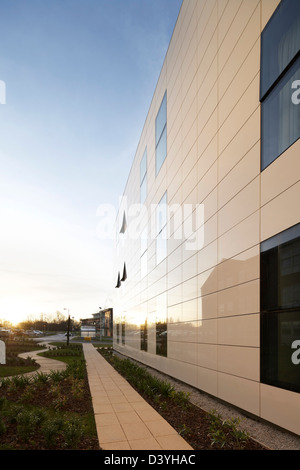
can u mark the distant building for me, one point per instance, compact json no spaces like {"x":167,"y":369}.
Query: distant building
{"x":100,"y":324}
{"x":88,"y":331}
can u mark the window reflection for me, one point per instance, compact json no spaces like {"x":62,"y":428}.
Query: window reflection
{"x":123,"y":332}
{"x":280,"y":42}
{"x":280,"y":69}
{"x":161,"y":339}
{"x":279,"y":332}
{"x":161,"y":134}
{"x":280,"y":118}
{"x":280,"y":274}
{"x":118,"y":333}
{"x":280,"y":307}
{"x":144,"y":336}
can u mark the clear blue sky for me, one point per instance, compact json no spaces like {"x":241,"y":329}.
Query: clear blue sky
{"x":79,"y":75}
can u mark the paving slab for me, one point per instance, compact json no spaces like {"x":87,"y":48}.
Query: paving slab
{"x":46,"y":364}
{"x":124,"y":420}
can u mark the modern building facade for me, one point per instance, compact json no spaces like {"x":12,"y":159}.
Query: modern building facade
{"x":101,"y":323}
{"x":208,"y":235}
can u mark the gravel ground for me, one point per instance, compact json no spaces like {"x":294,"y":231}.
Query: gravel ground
{"x":267,"y":434}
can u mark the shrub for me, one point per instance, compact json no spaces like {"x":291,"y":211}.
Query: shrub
{"x":18,"y":381}
{"x":51,"y":429}
{"x":77,"y":387}
{"x":28,"y":421}
{"x":72,"y":432}
{"x":40,"y":378}
{"x":222,"y":431}
{"x":76,"y":369}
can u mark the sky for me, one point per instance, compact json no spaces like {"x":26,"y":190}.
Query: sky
{"x":76,"y":82}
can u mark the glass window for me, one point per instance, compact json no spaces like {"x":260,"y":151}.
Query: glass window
{"x":161,"y":150}
{"x":280,"y":310}
{"x":143,"y":177}
{"x":280,"y":42}
{"x":144,"y":336}
{"x":161,"y":134}
{"x":280,"y":81}
{"x":280,"y":350}
{"x":161,"y":119}
{"x":280,"y":117}
{"x":161,"y":339}
{"x":123,"y":332}
{"x":280,"y":271}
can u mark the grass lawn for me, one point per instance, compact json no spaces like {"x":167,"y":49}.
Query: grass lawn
{"x":14,"y":364}
{"x":7,"y":371}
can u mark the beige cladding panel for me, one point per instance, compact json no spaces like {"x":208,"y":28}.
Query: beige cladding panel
{"x":212,"y":294}
{"x":281,"y":407}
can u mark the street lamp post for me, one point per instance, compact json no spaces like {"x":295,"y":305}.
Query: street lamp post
{"x":68,"y":329}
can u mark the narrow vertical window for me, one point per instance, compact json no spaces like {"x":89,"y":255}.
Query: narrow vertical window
{"x":144,"y":336}
{"x":123,"y":332}
{"x":161,"y":325}
{"x":161,"y":134}
{"x":162,"y":339}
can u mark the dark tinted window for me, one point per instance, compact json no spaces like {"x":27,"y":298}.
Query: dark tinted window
{"x":280,"y":310}
{"x":144,"y":337}
{"x":280,"y":81}
{"x":280,"y":117}
{"x":280,"y":272}
{"x":161,"y":339}
{"x":123,"y":332}
{"x":280,"y":42}
{"x":280,"y":350}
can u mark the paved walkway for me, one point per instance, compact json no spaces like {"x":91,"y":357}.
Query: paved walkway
{"x":46,"y":364}
{"x":124,"y":420}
